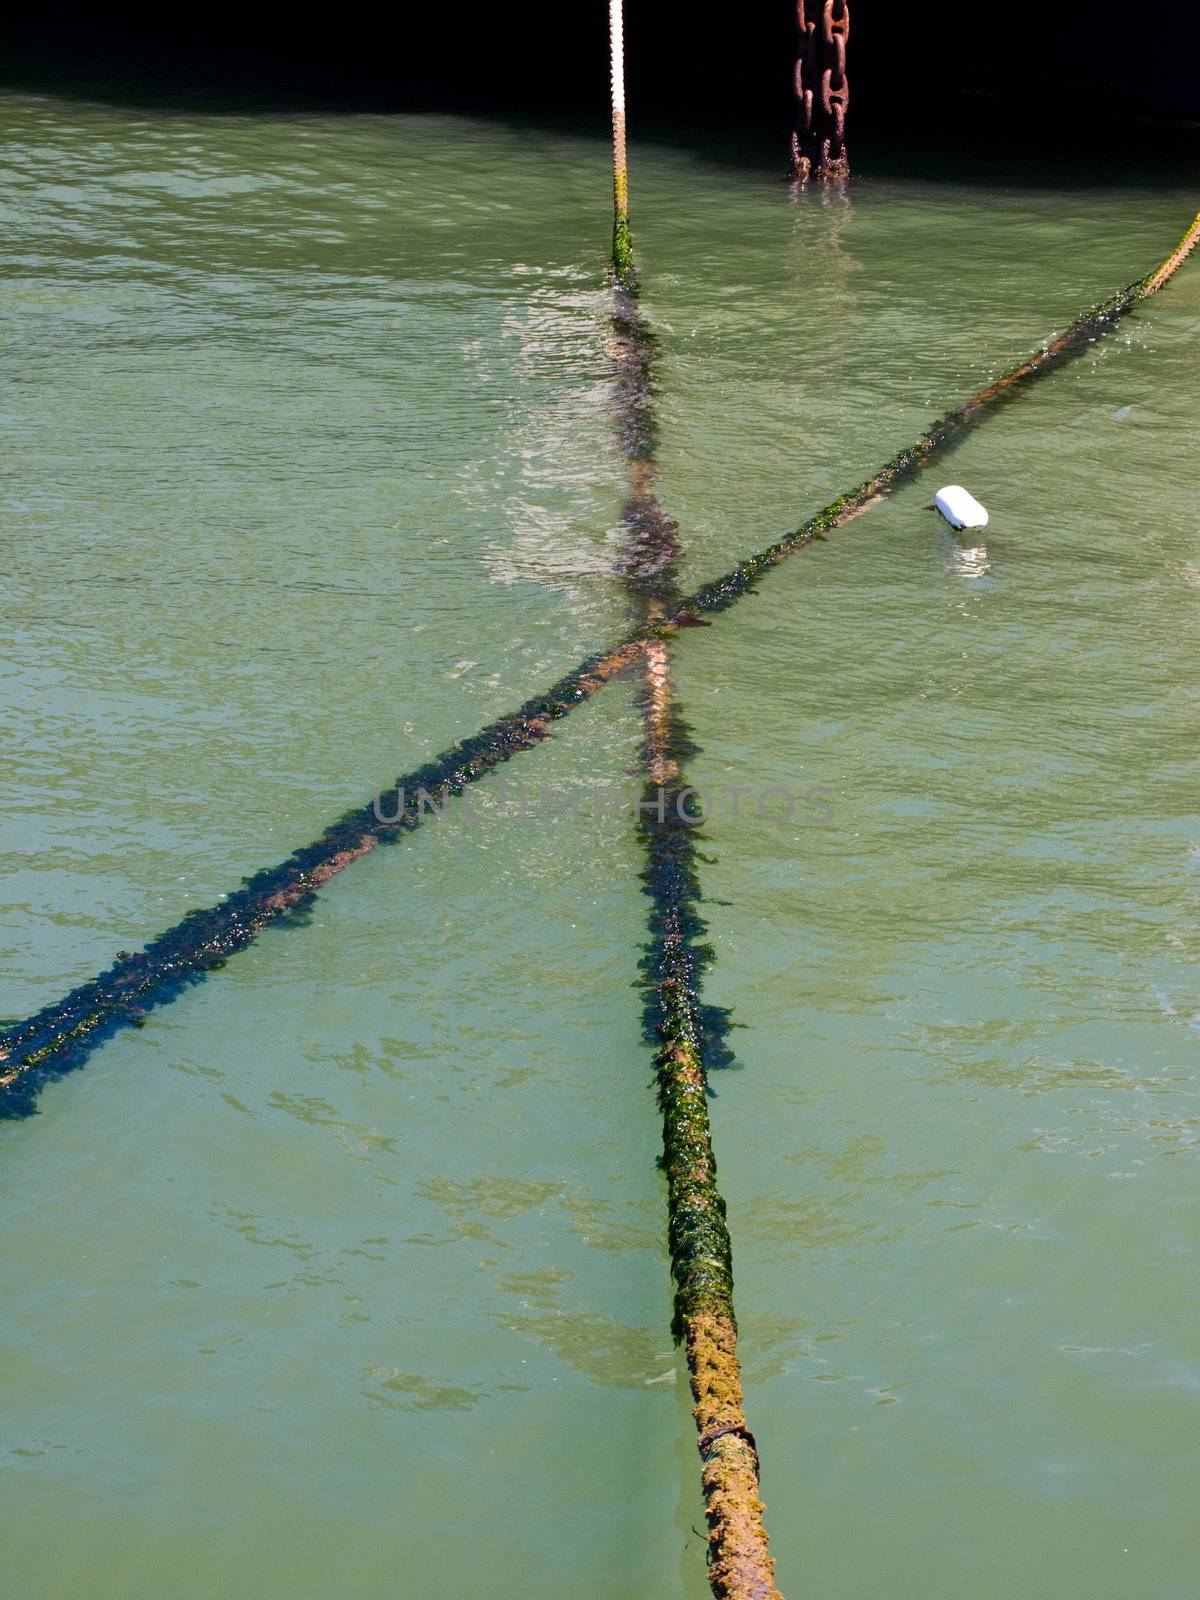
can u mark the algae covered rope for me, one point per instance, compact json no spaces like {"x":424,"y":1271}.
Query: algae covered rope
{"x":686,"y":1034}
{"x":622,"y":241}
{"x":63,"y":1034}
{"x":739,"y":1566}
{"x":682,"y":1030}
{"x":1072,"y":341}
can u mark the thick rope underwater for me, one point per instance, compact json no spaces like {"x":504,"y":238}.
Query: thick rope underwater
{"x":685,"y":1034}
{"x":62,"y":1035}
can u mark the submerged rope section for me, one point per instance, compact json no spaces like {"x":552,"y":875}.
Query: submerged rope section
{"x":686,"y":1035}
{"x":63,"y":1034}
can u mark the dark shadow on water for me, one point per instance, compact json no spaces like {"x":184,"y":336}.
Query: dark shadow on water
{"x":915,"y":113}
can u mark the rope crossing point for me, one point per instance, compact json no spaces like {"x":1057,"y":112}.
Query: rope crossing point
{"x":63,"y":1034}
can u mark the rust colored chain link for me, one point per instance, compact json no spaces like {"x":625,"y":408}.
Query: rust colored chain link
{"x":822,"y":89}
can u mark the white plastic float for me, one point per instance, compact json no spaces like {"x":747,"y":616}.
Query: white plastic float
{"x":960,"y":509}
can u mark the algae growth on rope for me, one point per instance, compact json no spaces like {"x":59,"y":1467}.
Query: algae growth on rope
{"x":63,"y":1034}
{"x":622,"y":240}
{"x":687,"y":1036}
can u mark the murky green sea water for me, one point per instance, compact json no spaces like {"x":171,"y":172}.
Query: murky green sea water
{"x":345,"y":1277}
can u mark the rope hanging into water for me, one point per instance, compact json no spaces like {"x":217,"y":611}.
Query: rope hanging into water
{"x":685,"y":1034}
{"x":622,"y":242}
{"x":63,"y":1034}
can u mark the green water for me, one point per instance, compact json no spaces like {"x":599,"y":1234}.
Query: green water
{"x":345,"y":1276}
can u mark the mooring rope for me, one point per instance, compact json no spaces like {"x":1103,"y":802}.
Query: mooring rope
{"x":622,"y":242}
{"x":685,"y":1034}
{"x":63,"y":1034}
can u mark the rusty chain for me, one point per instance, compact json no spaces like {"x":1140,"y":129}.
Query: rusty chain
{"x":822,"y":89}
